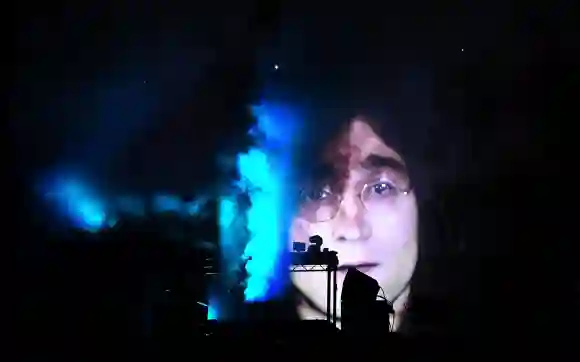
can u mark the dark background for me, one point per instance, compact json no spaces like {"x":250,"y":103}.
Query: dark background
{"x":140,"y":93}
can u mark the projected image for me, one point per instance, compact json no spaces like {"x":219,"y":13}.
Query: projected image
{"x":364,"y":208}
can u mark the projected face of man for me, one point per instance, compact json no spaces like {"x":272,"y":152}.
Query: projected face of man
{"x":367,"y":212}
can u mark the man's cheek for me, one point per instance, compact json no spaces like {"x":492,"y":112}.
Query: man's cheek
{"x":324,"y":231}
{"x":398,"y":260}
{"x":298,"y":231}
{"x":393,"y":234}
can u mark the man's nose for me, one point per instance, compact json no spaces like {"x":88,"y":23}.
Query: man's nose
{"x":350,"y":222}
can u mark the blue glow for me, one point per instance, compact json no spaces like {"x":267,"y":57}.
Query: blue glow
{"x":79,"y":204}
{"x":227,"y":212}
{"x":212,"y":309}
{"x":259,"y":230}
{"x":195,"y":207}
{"x":212,"y":313}
{"x":232,"y":244}
{"x":131,"y":205}
{"x":266,"y":174}
{"x":262,"y":222}
{"x":167,"y":203}
{"x":232,"y":241}
{"x":86,"y":209}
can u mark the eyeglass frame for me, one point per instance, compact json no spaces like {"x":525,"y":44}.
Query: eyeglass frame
{"x":400,"y":191}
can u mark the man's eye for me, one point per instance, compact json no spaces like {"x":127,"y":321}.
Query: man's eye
{"x":383,"y":188}
{"x":318,"y":195}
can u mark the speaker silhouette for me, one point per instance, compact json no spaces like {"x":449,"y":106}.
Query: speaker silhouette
{"x":359,"y":294}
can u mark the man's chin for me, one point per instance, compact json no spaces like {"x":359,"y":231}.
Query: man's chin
{"x":313,"y":305}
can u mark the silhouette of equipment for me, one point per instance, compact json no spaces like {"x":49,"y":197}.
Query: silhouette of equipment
{"x":360,"y":310}
{"x":315,"y":260}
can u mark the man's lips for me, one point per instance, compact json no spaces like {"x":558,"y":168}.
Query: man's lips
{"x":362,"y":267}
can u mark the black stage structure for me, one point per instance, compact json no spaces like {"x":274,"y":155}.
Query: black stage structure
{"x":324,"y":261}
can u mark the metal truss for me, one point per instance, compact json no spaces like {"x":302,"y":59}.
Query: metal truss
{"x":309,"y":267}
{"x":331,"y":286}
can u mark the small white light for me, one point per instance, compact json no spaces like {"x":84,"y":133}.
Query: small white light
{"x":462,"y":49}
{"x":276,"y":66}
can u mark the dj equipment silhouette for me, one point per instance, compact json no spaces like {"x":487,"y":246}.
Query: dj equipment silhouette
{"x":360,"y":310}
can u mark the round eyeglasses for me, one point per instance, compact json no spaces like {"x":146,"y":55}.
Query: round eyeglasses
{"x":322,"y":204}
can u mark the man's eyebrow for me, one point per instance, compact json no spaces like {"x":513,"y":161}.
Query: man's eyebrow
{"x":375,"y":161}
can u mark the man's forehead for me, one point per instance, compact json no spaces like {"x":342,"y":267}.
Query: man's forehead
{"x":373,"y":166}
{"x":362,"y":141}
{"x":377,"y":159}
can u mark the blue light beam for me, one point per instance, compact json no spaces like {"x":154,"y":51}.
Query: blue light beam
{"x":266,"y":174}
{"x":259,"y":230}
